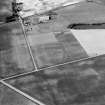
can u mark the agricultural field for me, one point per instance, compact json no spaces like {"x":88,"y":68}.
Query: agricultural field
{"x":80,"y":83}
{"x":51,"y":64}
{"x":14,"y":54}
{"x":9,"y":97}
{"x":55,"y":48}
{"x":54,"y":43}
{"x":84,"y":12}
{"x":5,"y":10}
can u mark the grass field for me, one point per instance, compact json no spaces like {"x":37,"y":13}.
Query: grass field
{"x":14,"y":55}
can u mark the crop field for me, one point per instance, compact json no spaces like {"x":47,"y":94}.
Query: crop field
{"x":55,"y":48}
{"x":51,"y":64}
{"x":14,"y":55}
